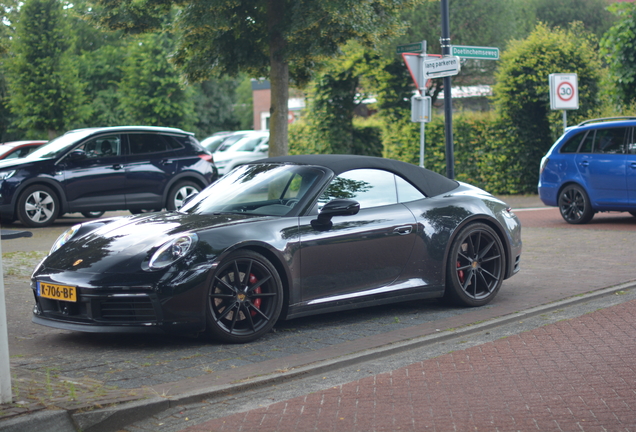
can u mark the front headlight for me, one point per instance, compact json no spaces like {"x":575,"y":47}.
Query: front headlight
{"x":6,"y":174}
{"x":172,"y":250}
{"x":64,"y":238}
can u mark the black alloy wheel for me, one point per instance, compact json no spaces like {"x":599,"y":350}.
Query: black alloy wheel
{"x":38,"y":206}
{"x":179,"y":193}
{"x":245,"y":298}
{"x":476,"y":264}
{"x":575,"y":206}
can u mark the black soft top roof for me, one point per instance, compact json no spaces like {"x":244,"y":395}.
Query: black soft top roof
{"x":428,"y":182}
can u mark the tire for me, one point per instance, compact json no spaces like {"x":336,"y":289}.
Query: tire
{"x":93,"y":215}
{"x":38,"y":206}
{"x":179,"y":193}
{"x":575,"y":206}
{"x":475,"y":267}
{"x":245,"y":298}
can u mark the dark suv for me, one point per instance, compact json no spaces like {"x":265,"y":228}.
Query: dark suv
{"x":591,"y":168}
{"x":133,"y":168}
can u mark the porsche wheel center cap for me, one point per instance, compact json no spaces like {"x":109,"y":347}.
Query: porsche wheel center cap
{"x":241,"y":297}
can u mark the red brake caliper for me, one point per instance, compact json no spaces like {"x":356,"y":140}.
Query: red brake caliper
{"x":256,"y":302}
{"x":460,"y":273}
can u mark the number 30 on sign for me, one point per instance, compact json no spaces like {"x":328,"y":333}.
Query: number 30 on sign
{"x":564,"y":93}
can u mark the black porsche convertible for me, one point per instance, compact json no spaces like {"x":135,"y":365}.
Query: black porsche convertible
{"x":281,"y":238}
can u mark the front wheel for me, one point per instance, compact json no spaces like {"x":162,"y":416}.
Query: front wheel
{"x":179,"y":193}
{"x":475,"y":269}
{"x":245,"y":298}
{"x":38,"y":206}
{"x":575,"y":206}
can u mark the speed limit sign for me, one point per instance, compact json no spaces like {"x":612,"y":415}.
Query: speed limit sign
{"x":564,"y":92}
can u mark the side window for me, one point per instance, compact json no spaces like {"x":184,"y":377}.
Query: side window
{"x":572,"y":145}
{"x":406,"y":191}
{"x":370,"y":187}
{"x":103,"y":146}
{"x":631,"y":143}
{"x":588,"y":142}
{"x":610,"y":140}
{"x":151,"y":143}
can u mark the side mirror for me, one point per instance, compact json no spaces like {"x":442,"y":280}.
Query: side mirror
{"x":263,"y":148}
{"x":337,"y":207}
{"x":77,"y":154}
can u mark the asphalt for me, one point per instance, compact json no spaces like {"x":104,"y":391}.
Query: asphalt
{"x":355,"y":371}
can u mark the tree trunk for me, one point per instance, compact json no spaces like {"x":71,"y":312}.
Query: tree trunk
{"x":279,"y":80}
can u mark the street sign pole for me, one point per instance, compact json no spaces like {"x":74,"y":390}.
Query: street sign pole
{"x":5,"y":371}
{"x":422,"y":91}
{"x":448,"y":100}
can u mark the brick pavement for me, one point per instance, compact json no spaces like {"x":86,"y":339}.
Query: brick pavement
{"x":574,"y":375}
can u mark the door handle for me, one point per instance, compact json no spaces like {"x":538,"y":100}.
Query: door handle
{"x":584,"y":164}
{"x":403,"y":230}
{"x":633,"y":165}
{"x":165,"y":161}
{"x":117,"y":166}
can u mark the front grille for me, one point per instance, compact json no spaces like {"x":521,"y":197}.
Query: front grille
{"x":127,"y":309}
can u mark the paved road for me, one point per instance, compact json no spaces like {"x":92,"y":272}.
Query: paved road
{"x":79,"y":370}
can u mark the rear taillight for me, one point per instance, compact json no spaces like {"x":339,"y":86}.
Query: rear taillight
{"x":544,"y":163}
{"x":207,"y":157}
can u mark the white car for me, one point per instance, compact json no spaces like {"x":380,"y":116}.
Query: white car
{"x":251,"y":147}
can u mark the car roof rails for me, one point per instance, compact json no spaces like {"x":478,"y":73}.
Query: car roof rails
{"x":606,"y":119}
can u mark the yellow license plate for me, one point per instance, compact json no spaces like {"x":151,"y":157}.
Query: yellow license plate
{"x":57,"y":292}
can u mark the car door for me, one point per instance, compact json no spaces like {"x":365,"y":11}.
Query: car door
{"x":150,"y":165}
{"x":362,"y":252}
{"x":94,"y":175}
{"x":630,"y":149}
{"x":602,"y":165}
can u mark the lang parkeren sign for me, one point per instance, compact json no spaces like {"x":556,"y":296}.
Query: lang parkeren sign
{"x":442,"y":67}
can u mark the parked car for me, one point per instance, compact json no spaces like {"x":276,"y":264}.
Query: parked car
{"x":101,"y":169}
{"x":213,"y":142}
{"x":591,"y":168}
{"x":18,"y":149}
{"x":281,"y":238}
{"x":231,"y":139}
{"x":249,"y":148}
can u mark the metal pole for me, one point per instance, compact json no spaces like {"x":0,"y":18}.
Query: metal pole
{"x":448,"y":102}
{"x":5,"y":371}
{"x":422,"y":91}
{"x":565,"y":120}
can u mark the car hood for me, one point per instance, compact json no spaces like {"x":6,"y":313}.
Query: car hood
{"x":14,"y":163}
{"x":123,"y":245}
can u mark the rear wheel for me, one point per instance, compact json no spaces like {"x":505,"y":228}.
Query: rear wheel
{"x":475,"y":269}
{"x":38,"y":206}
{"x":245,"y":298}
{"x":575,"y":205}
{"x":179,"y":193}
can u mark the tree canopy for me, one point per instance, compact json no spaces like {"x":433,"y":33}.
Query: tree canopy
{"x":281,"y":39}
{"x":619,"y":47}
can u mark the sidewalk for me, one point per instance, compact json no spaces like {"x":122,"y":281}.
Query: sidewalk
{"x":574,"y":375}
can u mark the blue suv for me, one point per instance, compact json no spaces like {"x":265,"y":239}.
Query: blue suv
{"x":135,"y":168}
{"x":591,"y":168}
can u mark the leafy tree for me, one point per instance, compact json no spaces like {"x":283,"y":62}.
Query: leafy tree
{"x":522,"y":96}
{"x":46,"y":94}
{"x":592,"y":13}
{"x":214,"y":102}
{"x":619,"y":49}
{"x":282,"y":39}
{"x":150,"y":89}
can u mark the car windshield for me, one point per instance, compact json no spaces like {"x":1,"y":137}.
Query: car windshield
{"x":59,"y":145}
{"x":262,"y":189}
